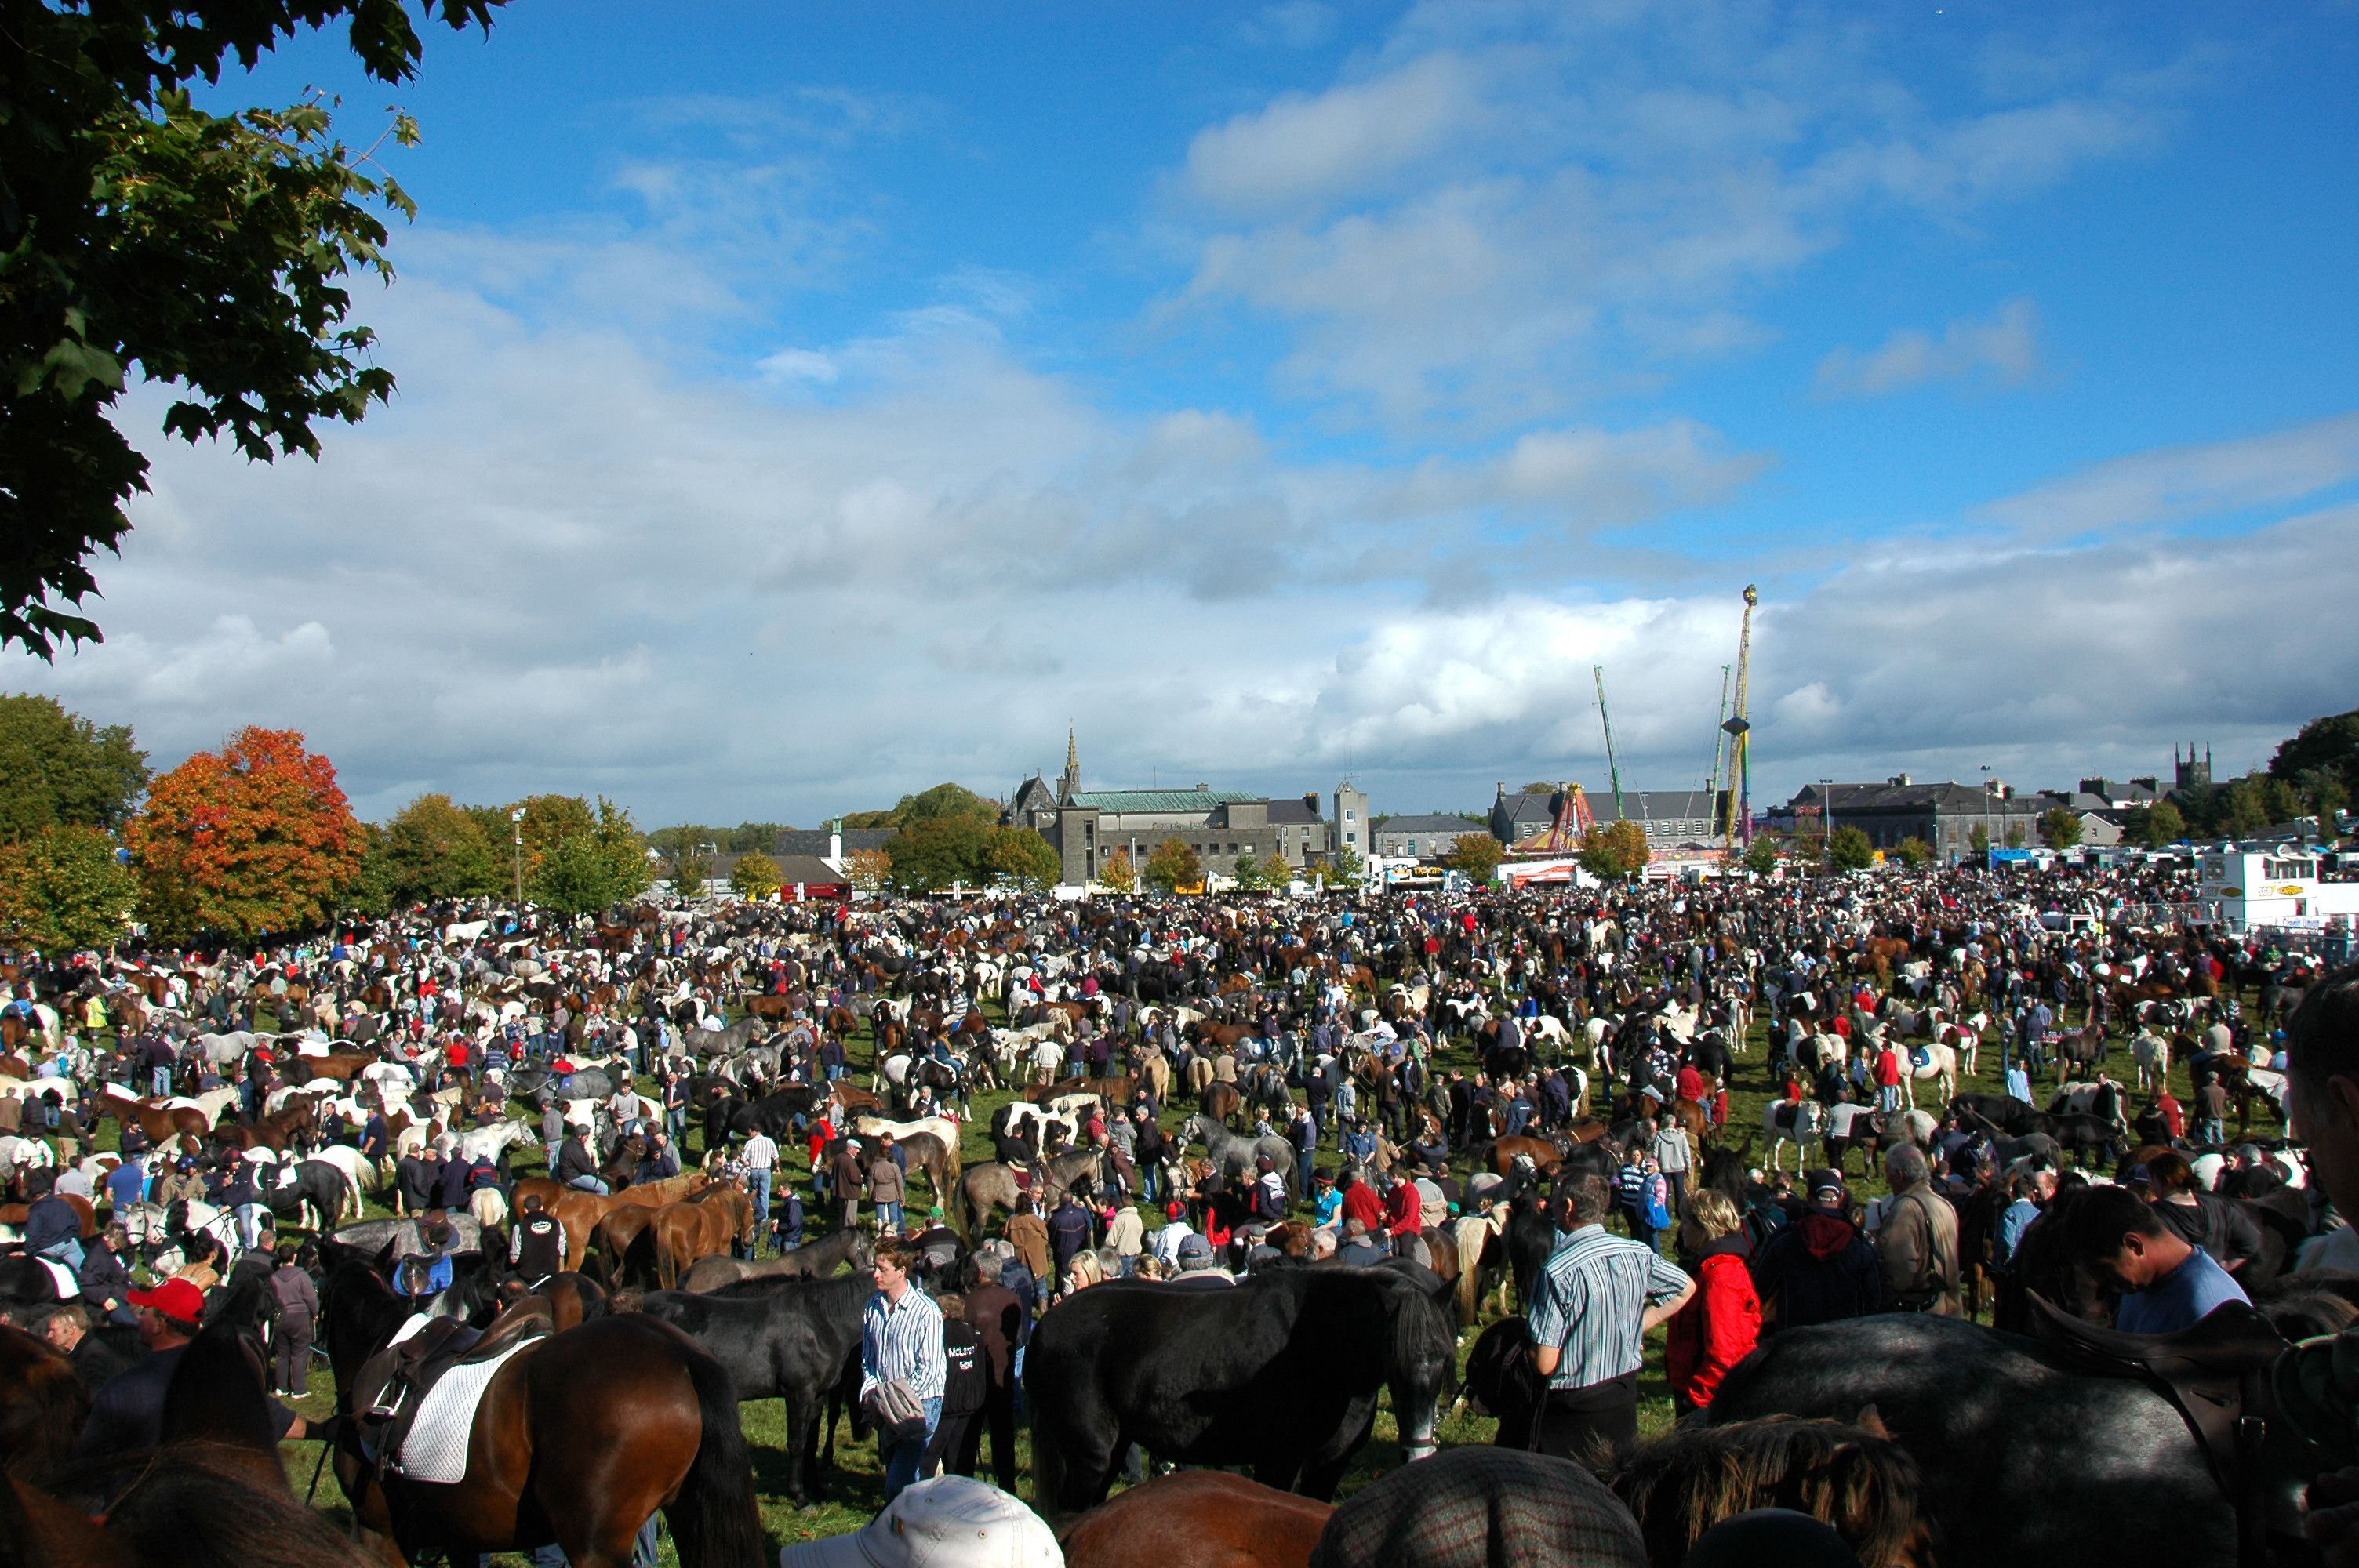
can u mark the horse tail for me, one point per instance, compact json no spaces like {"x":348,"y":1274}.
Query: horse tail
{"x":715,"y":1519}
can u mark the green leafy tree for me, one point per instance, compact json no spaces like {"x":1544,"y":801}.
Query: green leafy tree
{"x":1477,"y":854}
{"x":868,"y":870}
{"x":2323,"y":793}
{"x":1978,"y":841}
{"x":2241,"y":811}
{"x":211,"y":251}
{"x":1612,"y":851}
{"x":1848,"y":850}
{"x":754,"y":875}
{"x":2331,"y":744}
{"x":691,"y":867}
{"x":434,"y":849}
{"x":1117,"y":872}
{"x":576,"y":876}
{"x":940,"y":852}
{"x":944,"y":800}
{"x":62,"y":769}
{"x":1762,"y":855}
{"x":562,"y":835}
{"x":2014,"y":835}
{"x":1023,"y":857}
{"x":2059,"y":827}
{"x":370,"y":893}
{"x":1277,"y":871}
{"x":748,"y":837}
{"x":1914,"y":852}
{"x":65,"y":888}
{"x":1173,"y":866}
{"x":1248,"y":874}
{"x":1344,"y":868}
{"x":2163,"y":825}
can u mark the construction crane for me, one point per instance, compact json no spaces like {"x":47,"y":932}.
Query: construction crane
{"x":1739,"y":829}
{"x":1613,"y":772}
{"x":1719,"y":746}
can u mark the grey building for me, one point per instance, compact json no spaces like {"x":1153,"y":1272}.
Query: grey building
{"x":1223,"y":827}
{"x":1421,"y":837}
{"x":1943,"y":815}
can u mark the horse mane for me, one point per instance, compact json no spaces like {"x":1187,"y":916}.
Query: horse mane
{"x":200,"y":1505}
{"x":1852,"y":1477}
{"x":217,"y":1398}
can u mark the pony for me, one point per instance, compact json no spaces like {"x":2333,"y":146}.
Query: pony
{"x":1852,"y":1476}
{"x":797,"y":1340}
{"x":1280,"y":1372}
{"x":1197,"y":1519}
{"x":1799,"y":1124}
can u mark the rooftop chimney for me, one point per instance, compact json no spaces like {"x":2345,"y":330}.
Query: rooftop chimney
{"x":1898,"y":780}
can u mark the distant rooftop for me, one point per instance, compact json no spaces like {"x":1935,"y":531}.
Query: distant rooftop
{"x":1160,"y":799}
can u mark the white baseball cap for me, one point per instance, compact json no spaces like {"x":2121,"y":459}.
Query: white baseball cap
{"x":951,"y":1522}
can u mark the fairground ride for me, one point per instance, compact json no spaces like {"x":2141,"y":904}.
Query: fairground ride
{"x":1736,"y":830}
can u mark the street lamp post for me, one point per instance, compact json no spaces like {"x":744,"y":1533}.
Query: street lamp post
{"x":1827,"y":813}
{"x":516,"y":817}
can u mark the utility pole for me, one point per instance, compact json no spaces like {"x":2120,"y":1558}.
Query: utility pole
{"x":516,"y":818}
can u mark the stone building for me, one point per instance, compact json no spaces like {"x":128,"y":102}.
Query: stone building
{"x":1943,"y":815}
{"x":1422,"y":837}
{"x":1673,"y":818}
{"x":1223,"y":827}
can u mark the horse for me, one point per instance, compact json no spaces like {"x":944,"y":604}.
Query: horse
{"x":578,"y":1438}
{"x":2001,"y":1428}
{"x":815,"y":1261}
{"x":1798,"y":1124}
{"x":1280,"y":1372}
{"x":2151,"y":1054}
{"x":680,"y":1233}
{"x":42,"y":1406}
{"x":1854,"y":1477}
{"x":1238,"y":1155}
{"x":187,"y":1505}
{"x":1933,"y":1060}
{"x":984,"y":1189}
{"x":1197,"y":1519}
{"x":793,"y":1340}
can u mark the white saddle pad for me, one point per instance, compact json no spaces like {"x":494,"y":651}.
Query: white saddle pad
{"x":435,"y":1448}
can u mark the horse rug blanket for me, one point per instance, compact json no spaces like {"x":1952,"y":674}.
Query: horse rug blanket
{"x":436,"y":1447}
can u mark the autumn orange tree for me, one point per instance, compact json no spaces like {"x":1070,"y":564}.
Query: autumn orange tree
{"x":254,"y":838}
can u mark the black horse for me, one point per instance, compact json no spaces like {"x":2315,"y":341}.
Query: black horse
{"x":2025,"y":1459}
{"x":796,"y":1340}
{"x":318,"y":1190}
{"x":1280,"y":1372}
{"x":2001,"y":1113}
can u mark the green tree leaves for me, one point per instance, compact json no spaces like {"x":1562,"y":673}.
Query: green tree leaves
{"x":1848,"y":850}
{"x":434,"y":849}
{"x":2059,"y":827}
{"x":65,"y":888}
{"x":1477,"y":854}
{"x":62,"y":769}
{"x":212,"y":250}
{"x":1173,"y":866}
{"x":1024,"y":857}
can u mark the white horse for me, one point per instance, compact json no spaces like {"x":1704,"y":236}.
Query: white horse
{"x":2151,"y":1052}
{"x":1940,"y":1061}
{"x":361,"y":1175}
{"x":1801,"y":1125}
{"x":486,"y":1143}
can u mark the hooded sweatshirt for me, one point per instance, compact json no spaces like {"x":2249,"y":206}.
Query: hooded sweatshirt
{"x":1820,"y":1269}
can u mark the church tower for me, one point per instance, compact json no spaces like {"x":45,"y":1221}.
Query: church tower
{"x":1070,"y":784}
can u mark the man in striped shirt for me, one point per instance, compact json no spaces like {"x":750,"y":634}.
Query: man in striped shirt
{"x":901,"y":1341}
{"x":1596,"y":1297}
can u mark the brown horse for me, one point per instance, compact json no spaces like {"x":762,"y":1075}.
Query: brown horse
{"x":1545,"y":1154}
{"x":680,"y":1233}
{"x":579,"y":1212}
{"x":1854,"y":1477}
{"x":161,"y":1123}
{"x":579,"y":1439}
{"x":1198,"y":1518}
{"x":42,"y":1405}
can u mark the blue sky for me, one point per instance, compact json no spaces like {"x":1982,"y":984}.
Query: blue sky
{"x":800,"y":405}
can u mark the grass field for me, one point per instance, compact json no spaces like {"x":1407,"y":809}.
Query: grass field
{"x":855,"y":1487}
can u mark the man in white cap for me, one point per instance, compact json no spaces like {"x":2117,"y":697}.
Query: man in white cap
{"x":951,"y":1521}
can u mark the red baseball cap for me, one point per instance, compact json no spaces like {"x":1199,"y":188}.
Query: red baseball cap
{"x":176,"y":1299}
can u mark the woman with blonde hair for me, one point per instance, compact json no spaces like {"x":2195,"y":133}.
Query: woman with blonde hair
{"x":1721,"y":1322}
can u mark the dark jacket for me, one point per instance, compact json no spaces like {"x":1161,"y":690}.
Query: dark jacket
{"x":1068,"y":1232}
{"x":2216,"y":1224}
{"x":966,"y":1382}
{"x":50,"y":1221}
{"x":1820,"y":1269}
{"x":997,"y":1318}
{"x":104,"y":1277}
{"x":573,"y":1160}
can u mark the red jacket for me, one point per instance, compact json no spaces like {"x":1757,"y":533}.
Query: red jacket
{"x":1887,"y":1068}
{"x":1717,"y":1328}
{"x":1362,"y":1204}
{"x":1404,"y":1210}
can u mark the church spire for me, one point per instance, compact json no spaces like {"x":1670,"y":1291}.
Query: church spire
{"x":1070,"y":785}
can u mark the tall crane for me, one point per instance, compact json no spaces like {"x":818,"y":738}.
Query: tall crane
{"x":1613,"y":772}
{"x":1719,"y":748}
{"x":1740,"y":760}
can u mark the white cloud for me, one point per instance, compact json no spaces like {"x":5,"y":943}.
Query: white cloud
{"x":1310,"y":149}
{"x":790,"y":365}
{"x":1620,"y":184}
{"x":2176,"y":483}
{"x":2005,"y":345}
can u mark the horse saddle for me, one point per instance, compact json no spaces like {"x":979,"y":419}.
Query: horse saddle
{"x":393,"y":1384}
{"x":2216,"y":1376}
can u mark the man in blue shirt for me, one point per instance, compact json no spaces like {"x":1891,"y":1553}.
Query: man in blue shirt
{"x":2166,"y":1285}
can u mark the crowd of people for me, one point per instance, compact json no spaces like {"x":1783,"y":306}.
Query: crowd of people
{"x":1210,"y":1088}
